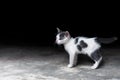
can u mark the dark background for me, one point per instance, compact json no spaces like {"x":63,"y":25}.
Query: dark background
{"x":37,"y":26}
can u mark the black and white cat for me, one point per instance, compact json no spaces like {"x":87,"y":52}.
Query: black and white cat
{"x":82,"y":45}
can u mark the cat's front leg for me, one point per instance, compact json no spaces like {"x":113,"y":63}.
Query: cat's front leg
{"x":70,"y":66}
{"x":72,"y":60}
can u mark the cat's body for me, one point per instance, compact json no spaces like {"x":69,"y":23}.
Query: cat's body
{"x":81,"y":45}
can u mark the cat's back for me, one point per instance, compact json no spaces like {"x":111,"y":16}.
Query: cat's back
{"x":90,"y":42}
{"x":85,"y":38}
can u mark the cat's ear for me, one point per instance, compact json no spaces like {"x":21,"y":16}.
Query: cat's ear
{"x":58,"y":30}
{"x":67,"y":33}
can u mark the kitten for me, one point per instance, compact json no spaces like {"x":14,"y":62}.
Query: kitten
{"x":82,"y":45}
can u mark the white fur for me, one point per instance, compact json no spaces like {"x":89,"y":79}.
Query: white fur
{"x":96,"y":64}
{"x":71,"y":48}
{"x":92,"y":45}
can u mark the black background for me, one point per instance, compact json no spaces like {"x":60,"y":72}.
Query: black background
{"x":37,"y":25}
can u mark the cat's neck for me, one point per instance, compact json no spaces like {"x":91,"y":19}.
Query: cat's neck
{"x":70,"y":39}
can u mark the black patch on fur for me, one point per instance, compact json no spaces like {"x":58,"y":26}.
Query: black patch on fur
{"x":62,"y":35}
{"x":76,"y":40}
{"x":83,"y":44}
{"x":96,"y":55}
{"x":79,"y":47}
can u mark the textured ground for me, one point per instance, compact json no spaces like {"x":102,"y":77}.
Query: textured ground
{"x":43,"y":63}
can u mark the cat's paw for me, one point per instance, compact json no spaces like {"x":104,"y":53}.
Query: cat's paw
{"x":94,"y":67}
{"x":70,"y":66}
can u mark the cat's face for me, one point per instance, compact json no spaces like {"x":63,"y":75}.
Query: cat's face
{"x":62,"y":37}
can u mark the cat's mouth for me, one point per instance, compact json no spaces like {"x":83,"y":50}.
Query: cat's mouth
{"x":57,"y":42}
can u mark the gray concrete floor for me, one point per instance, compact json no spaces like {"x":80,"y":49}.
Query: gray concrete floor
{"x":43,"y":63}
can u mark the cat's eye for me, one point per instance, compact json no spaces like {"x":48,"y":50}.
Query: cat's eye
{"x":62,"y":36}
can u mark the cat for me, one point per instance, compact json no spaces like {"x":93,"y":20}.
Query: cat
{"x":82,"y":45}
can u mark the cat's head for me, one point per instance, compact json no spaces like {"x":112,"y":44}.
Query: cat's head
{"x":62,"y":37}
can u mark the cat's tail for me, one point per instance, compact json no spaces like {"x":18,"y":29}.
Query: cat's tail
{"x":106,"y":40}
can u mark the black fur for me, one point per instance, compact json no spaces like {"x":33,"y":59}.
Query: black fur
{"x":106,"y":40}
{"x":83,"y":44}
{"x":79,"y":47}
{"x":76,"y":40}
{"x":62,"y":36}
{"x":96,"y":55}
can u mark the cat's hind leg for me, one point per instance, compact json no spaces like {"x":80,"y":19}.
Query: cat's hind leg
{"x":97,"y":57}
{"x":96,"y":64}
